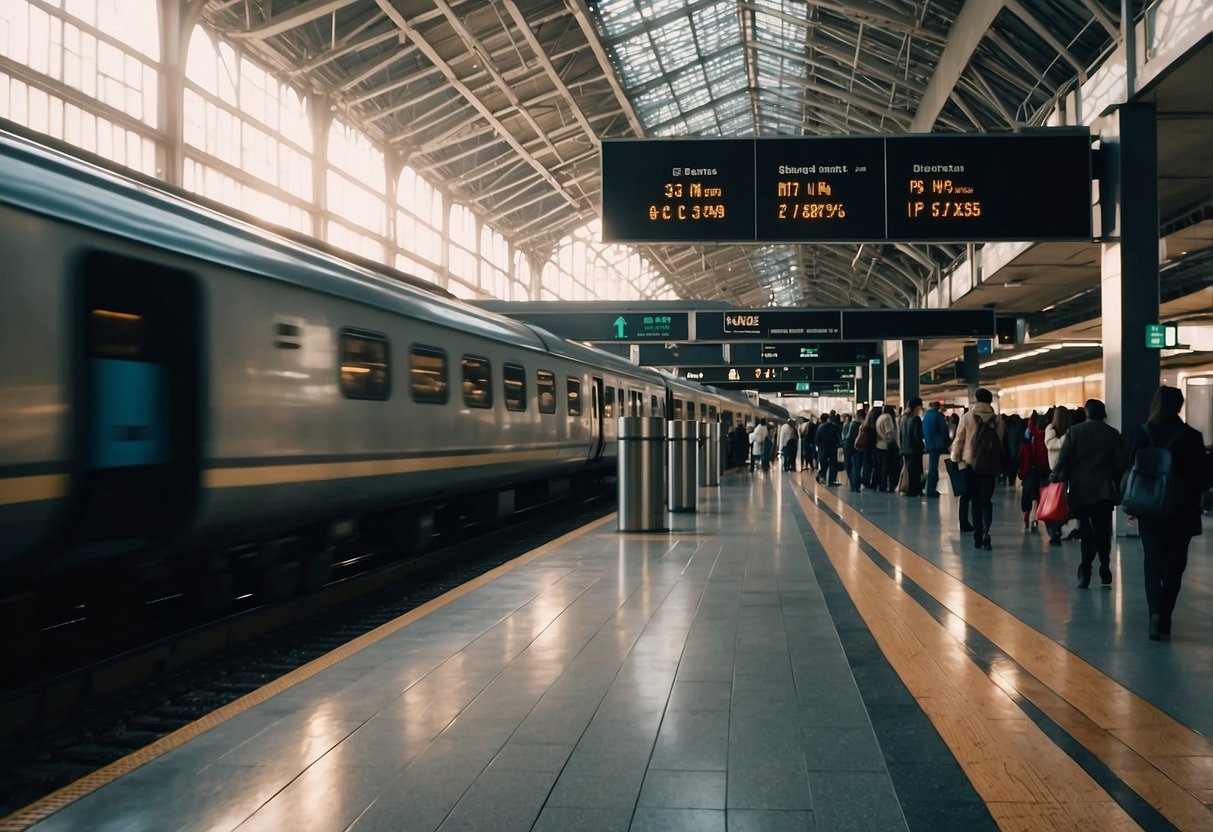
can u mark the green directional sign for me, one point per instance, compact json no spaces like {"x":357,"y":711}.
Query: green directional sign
{"x":1161,"y":336}
{"x":621,"y":327}
{"x":624,"y":326}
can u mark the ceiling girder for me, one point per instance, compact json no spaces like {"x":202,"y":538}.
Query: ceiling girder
{"x":975,"y":19}
{"x":305,"y":12}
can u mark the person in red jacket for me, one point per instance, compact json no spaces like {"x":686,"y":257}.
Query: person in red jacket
{"x":1033,"y":467}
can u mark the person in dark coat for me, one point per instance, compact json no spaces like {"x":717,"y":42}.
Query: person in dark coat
{"x":1165,"y":540}
{"x":912,"y":446}
{"x":739,"y":441}
{"x":1092,"y":460}
{"x":829,"y":439}
{"x":935,"y":438}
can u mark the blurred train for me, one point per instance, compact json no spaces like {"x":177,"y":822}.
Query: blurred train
{"x":176,"y":382}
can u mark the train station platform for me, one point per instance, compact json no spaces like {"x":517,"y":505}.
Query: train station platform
{"x":791,"y":657}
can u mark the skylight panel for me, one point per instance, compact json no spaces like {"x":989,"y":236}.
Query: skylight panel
{"x":619,"y":16}
{"x":716,"y":26}
{"x":637,"y":62}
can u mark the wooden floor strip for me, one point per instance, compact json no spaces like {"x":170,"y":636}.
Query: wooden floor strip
{"x":1164,"y":761}
{"x":1027,"y":782}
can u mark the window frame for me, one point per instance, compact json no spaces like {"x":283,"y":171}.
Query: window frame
{"x":425,"y":350}
{"x":540,"y":377}
{"x":569,"y":383}
{"x":385,"y":393}
{"x":507,"y":368}
{"x":481,"y":361}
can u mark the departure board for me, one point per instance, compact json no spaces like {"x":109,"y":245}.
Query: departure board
{"x":1030,"y":186}
{"x":983,"y":188}
{"x":678,"y":191}
{"x":819,"y":189}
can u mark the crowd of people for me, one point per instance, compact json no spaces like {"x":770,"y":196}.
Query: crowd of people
{"x":883,"y":450}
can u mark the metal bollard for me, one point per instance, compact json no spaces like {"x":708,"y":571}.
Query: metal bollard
{"x":710,"y":454}
{"x":683,"y":465}
{"x":641,"y":474}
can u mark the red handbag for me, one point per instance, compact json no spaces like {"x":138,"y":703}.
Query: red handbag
{"x":1054,"y":507}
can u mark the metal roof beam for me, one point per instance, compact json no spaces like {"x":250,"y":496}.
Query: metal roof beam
{"x":1110,"y":24}
{"x":331,"y":55}
{"x":975,"y":19}
{"x":533,"y":42}
{"x":1048,"y":37}
{"x":304,"y":13}
{"x":884,"y":18}
{"x":581,"y":13}
{"x":389,"y":8}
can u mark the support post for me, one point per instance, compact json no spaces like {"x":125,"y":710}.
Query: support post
{"x":908,"y":367}
{"x":972,"y":371}
{"x":876,"y":379}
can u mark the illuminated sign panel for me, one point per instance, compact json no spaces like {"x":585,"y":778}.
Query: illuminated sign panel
{"x":749,"y":324}
{"x":982,"y":187}
{"x":851,"y":353}
{"x":687,"y":190}
{"x":839,"y":376}
{"x":1027,"y":186}
{"x":611,"y":326}
{"x":828,"y":189}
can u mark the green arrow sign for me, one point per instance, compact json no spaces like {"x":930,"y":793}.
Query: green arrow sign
{"x":621,"y":327}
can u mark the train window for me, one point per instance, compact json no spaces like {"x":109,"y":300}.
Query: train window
{"x":608,"y":406}
{"x":427,"y":374}
{"x":636,"y":402}
{"x":573,"y":385}
{"x":691,"y":411}
{"x":114,"y":334}
{"x":545,"y":386}
{"x":712,"y":413}
{"x":477,"y":382}
{"x":654,"y":411}
{"x":677,"y":409}
{"x":515,"y":387}
{"x":622,"y":409}
{"x":364,"y":366}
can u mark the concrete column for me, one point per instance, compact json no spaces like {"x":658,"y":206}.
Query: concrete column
{"x":909,"y":371}
{"x":1129,"y":263}
{"x":972,"y":371}
{"x":876,"y":379}
{"x":177,"y":21}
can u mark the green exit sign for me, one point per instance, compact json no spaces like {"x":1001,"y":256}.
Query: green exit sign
{"x":803,"y":387}
{"x":1161,"y":336}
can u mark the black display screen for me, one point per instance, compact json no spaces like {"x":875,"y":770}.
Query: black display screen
{"x":916,"y":188}
{"x":912,"y":324}
{"x":982,"y":188}
{"x":819,"y":189}
{"x":684,"y":190}
{"x":749,"y":324}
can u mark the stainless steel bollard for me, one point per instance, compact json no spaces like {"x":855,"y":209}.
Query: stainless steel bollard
{"x":683,"y":464}
{"x":641,"y":474}
{"x":710,"y":454}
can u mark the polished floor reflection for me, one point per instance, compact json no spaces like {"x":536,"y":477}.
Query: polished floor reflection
{"x":789,"y":657}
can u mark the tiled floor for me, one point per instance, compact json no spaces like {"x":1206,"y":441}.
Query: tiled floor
{"x":718,"y":678}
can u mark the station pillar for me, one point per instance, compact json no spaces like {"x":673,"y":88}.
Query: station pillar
{"x":1129,"y":263}
{"x":876,"y":379}
{"x":861,"y":386}
{"x":972,"y":371}
{"x":908,"y":368}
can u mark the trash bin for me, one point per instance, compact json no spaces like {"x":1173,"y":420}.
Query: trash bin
{"x":641,"y":473}
{"x":683,"y":442}
{"x":710,"y":454}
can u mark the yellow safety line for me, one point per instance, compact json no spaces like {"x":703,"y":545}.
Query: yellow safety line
{"x":47,"y":806}
{"x":30,"y":489}
{"x":1026,"y":781}
{"x":1164,"y":761}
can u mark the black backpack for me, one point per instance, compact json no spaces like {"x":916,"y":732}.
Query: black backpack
{"x":1149,"y":486}
{"x":987,"y":448}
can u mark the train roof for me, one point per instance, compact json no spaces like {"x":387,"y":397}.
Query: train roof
{"x":44,"y":181}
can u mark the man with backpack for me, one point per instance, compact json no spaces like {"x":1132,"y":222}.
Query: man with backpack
{"x":977,"y":450}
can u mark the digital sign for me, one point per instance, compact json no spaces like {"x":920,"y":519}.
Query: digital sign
{"x":686,"y":190}
{"x":770,"y":374}
{"x":749,"y":324}
{"x":1029,"y":186}
{"x":982,"y":188}
{"x":827,"y":189}
{"x":912,"y":324}
{"x":619,"y":327}
{"x":850,"y":353}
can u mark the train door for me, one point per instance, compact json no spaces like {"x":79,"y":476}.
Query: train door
{"x":138,"y":380}
{"x":596,"y":418}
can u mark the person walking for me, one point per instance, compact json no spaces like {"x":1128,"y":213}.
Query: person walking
{"x":935,"y":440}
{"x":1055,"y":437}
{"x":977,"y":450}
{"x":1165,"y":539}
{"x":787,"y":445}
{"x":1033,"y":468}
{"x":912,"y":446}
{"x":851,"y":457}
{"x":739,"y":441}
{"x":886,"y":435}
{"x":758,"y":438}
{"x":829,"y":438}
{"x":865,"y":443}
{"x":1092,"y":460}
